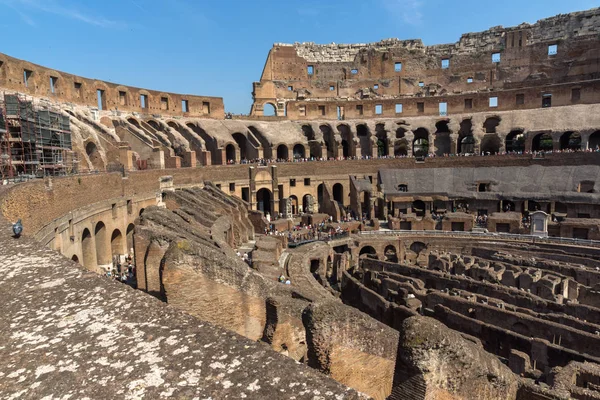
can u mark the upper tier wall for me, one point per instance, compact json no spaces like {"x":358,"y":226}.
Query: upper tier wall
{"x":36,"y":80}
{"x":296,"y":78}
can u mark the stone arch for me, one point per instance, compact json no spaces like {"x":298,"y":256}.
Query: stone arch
{"x":515,"y":141}
{"x":348,"y":145}
{"x":91,"y":150}
{"x":391,"y":254}
{"x":75,"y":258}
{"x":594,"y":141}
{"x":570,"y":141}
{"x":308,"y":132}
{"x":329,"y":139}
{"x":338,"y":193}
{"x":418,"y":247}
{"x":156,"y":125}
{"x":421,"y":143}
{"x":466,"y":140}
{"x":282,"y":152}
{"x":364,"y":137}
{"x":116,"y":243}
{"x":134,"y":122}
{"x":418,"y":207}
{"x":382,"y":140}
{"x":129,"y":236}
{"x":490,"y":144}
{"x":367,"y":251}
{"x":298,"y":151}
{"x":141,"y":212}
{"x":490,"y":124}
{"x":87,"y":250}
{"x":102,"y":245}
{"x":269,"y":110}
{"x":230,"y":153}
{"x":293,"y":200}
{"x":542,"y":142}
{"x":264,"y":199}
{"x":209,"y":141}
{"x":243,"y":145}
{"x":442,"y":140}
{"x":521,"y":328}
{"x":401,"y":133}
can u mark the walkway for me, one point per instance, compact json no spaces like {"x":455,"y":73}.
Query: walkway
{"x":65,"y":332}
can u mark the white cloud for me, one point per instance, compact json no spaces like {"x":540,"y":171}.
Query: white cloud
{"x":24,"y":7}
{"x":409,"y":11}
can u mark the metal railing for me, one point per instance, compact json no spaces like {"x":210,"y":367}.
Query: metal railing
{"x":501,"y":236}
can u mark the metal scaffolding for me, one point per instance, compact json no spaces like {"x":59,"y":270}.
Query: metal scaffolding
{"x":36,"y":140}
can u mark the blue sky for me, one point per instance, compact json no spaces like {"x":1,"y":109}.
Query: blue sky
{"x":219,"y":48}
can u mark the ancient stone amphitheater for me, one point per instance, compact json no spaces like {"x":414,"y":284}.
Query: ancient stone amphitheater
{"x":413,"y":222}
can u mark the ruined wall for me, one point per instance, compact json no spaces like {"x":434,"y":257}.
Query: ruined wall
{"x":83,"y":91}
{"x":311,"y":81}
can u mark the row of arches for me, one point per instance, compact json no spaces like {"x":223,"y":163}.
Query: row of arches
{"x":98,"y":249}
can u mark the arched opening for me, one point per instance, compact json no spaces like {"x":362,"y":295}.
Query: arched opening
{"x":382,"y":140}
{"x":308,"y":132}
{"x":329,"y":140}
{"x":263,"y":201}
{"x":116,"y":243}
{"x":348,"y":147}
{"x":594,"y":141}
{"x":294,"y":205}
{"x":129,"y":235}
{"x":421,"y":143}
{"x":508,"y":206}
{"x":230,"y":153}
{"x":87,"y":249}
{"x":570,"y":141}
{"x":209,"y":142}
{"x":521,"y":329}
{"x":491,"y":124}
{"x":75,"y":258}
{"x":391,"y":254}
{"x":515,"y":142}
{"x":533,"y":205}
{"x":338,"y":193}
{"x":243,"y":144}
{"x":308,"y":205}
{"x":298,"y":151}
{"x":134,"y":122}
{"x":102,"y":245}
{"x":367,"y":251}
{"x":94,"y":155}
{"x":156,"y":126}
{"x":400,"y":133}
{"x":364,"y":137}
{"x":542,"y":142}
{"x":418,"y":247}
{"x":418,"y":207}
{"x":442,"y":138}
{"x":401,"y":148}
{"x":282,"y":152}
{"x":269,"y":110}
{"x":141,"y":212}
{"x":490,"y":144}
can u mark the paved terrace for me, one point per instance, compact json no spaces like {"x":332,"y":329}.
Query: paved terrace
{"x":68,"y":333}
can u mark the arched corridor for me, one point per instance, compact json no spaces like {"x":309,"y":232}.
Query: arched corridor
{"x":263,"y":201}
{"x":282,"y":152}
{"x":542,"y":142}
{"x":116,"y":243}
{"x":338,"y":193}
{"x":230,"y":153}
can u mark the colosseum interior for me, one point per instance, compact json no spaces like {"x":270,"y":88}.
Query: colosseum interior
{"x":414,"y":222}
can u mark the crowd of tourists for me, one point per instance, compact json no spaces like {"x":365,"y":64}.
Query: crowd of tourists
{"x":123,"y":272}
{"x":302,"y":159}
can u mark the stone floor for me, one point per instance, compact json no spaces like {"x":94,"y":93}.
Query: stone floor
{"x":67,"y":333}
